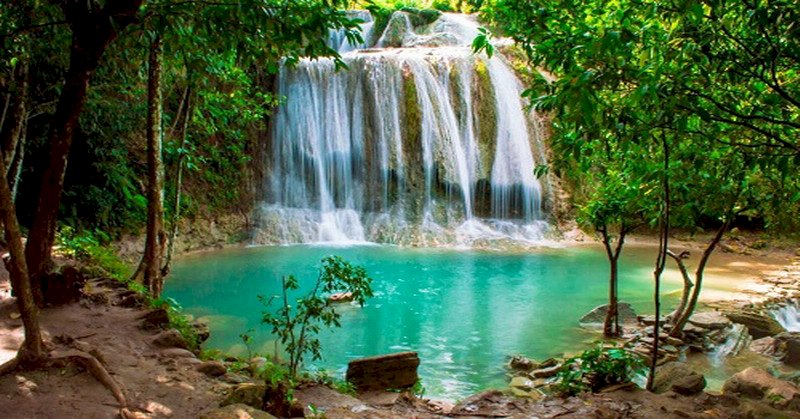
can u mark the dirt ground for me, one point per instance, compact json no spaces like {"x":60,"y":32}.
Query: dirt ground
{"x":152,"y":381}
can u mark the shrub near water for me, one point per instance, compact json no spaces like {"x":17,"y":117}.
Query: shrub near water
{"x":597,"y":368}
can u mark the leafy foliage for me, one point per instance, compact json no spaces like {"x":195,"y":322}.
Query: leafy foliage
{"x":597,"y":368}
{"x":297,"y":326}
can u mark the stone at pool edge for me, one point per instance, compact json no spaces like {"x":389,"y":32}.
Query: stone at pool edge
{"x":598,"y":314}
{"x":759,"y":325}
{"x":678,"y":377}
{"x":757,"y":384}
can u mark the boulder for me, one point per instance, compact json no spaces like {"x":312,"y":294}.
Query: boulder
{"x":521,"y":363}
{"x":398,"y":28}
{"x":678,"y":377}
{"x":393,"y":371}
{"x":711,"y":320}
{"x":236,"y":411}
{"x":203,"y":333}
{"x":789,"y":347}
{"x":212,"y":368}
{"x":758,"y":384}
{"x":523,"y":383}
{"x":546,"y":372}
{"x":154,"y":319}
{"x":250,"y":394}
{"x":758,"y":324}
{"x":767,"y":346}
{"x":176,"y":353}
{"x":598,"y":314}
{"x":170,"y":339}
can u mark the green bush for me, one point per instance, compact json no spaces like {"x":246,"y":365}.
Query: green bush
{"x":296,"y":325}
{"x":597,"y":368}
{"x":91,"y":248}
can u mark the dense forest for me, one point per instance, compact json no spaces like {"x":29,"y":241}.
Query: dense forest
{"x":135,"y":121}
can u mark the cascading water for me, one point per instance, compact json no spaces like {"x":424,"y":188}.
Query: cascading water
{"x":788,"y":315}
{"x":419,"y":141}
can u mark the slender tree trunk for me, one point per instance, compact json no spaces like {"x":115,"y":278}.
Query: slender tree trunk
{"x":611,"y":327}
{"x":661,"y":263}
{"x":176,"y":202}
{"x":154,"y":242}
{"x":16,"y":119}
{"x":92,"y":31}
{"x":15,"y":172}
{"x":32,"y":352}
{"x":677,"y":329}
{"x":687,"y":283}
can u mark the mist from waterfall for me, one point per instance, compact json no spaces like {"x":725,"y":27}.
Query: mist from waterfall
{"x":418,"y":142}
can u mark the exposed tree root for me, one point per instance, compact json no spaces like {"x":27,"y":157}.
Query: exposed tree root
{"x":9,"y":367}
{"x":96,"y":369}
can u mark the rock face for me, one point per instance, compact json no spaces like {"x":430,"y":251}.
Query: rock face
{"x":758,"y":384}
{"x":758,"y":324}
{"x":598,"y":314}
{"x":783,"y":346}
{"x":383,"y":372}
{"x":237,"y":411}
{"x":249,"y":394}
{"x":680,"y":378}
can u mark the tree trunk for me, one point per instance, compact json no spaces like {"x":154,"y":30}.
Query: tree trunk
{"x":176,"y":202}
{"x":92,"y":31}
{"x":661,"y":263}
{"x":32,"y":352}
{"x":16,"y":119}
{"x":154,"y":242}
{"x":15,"y":172}
{"x":677,"y":329}
{"x":611,"y":327}
{"x":687,"y":283}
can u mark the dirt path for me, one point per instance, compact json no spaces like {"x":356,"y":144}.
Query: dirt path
{"x":154,"y":382}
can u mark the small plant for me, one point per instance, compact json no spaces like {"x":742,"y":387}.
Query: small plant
{"x":418,"y":390}
{"x":247,"y":339}
{"x":341,"y":386}
{"x":297,"y":326}
{"x":597,"y":368}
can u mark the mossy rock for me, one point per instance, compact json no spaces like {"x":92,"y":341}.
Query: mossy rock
{"x":421,"y":17}
{"x":484,"y":109}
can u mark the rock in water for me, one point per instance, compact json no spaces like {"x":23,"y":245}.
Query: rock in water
{"x":393,"y":371}
{"x":710,"y":320}
{"x":758,"y":324}
{"x":758,"y":384}
{"x":598,"y":314}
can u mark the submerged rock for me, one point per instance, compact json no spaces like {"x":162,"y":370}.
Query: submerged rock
{"x":758,"y":384}
{"x":758,"y":324}
{"x":598,"y":314}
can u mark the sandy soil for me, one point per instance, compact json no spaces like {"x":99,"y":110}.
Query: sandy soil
{"x":153,"y":383}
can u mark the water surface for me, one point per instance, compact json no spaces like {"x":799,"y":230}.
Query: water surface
{"x":464,"y":311}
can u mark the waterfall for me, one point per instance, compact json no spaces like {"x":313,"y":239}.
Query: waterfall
{"x":418,"y":142}
{"x":788,"y":315}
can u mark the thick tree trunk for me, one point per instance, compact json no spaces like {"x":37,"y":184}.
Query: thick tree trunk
{"x":15,"y":120}
{"x":154,"y":242}
{"x":92,"y":31}
{"x":32,"y":352}
{"x":687,"y":283}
